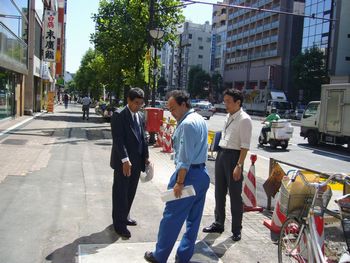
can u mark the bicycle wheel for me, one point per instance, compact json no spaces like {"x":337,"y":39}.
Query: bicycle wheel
{"x":289,"y":250}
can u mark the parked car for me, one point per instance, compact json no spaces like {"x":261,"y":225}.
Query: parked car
{"x":205,"y":109}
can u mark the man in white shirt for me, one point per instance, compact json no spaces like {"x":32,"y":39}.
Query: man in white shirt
{"x":234,"y":145}
{"x":86,"y":101}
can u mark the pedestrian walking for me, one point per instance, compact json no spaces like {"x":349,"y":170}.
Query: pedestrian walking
{"x":65,"y":100}
{"x":86,"y":101}
{"x":234,"y":145}
{"x":128,"y":158}
{"x":191,"y":148}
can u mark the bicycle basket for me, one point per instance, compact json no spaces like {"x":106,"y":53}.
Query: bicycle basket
{"x":297,"y":203}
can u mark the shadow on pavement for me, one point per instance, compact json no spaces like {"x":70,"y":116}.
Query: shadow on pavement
{"x":69,"y":252}
{"x":220,"y":248}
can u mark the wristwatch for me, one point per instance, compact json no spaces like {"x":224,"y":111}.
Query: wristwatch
{"x":239,"y":165}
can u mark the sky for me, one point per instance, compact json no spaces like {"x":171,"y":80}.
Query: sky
{"x":80,"y":25}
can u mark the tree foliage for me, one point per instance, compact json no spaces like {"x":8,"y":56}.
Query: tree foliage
{"x":198,"y":82}
{"x":122,"y":37}
{"x":309,"y":73}
{"x":91,"y":76}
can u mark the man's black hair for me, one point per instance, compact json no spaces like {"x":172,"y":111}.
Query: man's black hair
{"x":235,"y":94}
{"x":136,"y":93}
{"x":180,"y":96}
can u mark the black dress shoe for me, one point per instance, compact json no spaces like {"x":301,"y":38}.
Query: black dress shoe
{"x":236,"y":237}
{"x":149,"y":257}
{"x":123,"y":232}
{"x":213,"y":228}
{"x":131,"y":222}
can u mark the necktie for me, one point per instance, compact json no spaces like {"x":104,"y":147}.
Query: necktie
{"x":138,"y":133}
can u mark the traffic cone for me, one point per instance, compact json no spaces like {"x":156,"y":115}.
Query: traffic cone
{"x":160,"y":134}
{"x":249,"y":189}
{"x":278,"y":218}
{"x":167,"y":143}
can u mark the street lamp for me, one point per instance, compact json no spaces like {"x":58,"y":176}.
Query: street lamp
{"x":156,"y":34}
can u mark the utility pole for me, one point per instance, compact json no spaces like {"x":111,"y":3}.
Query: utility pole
{"x":179,"y":67}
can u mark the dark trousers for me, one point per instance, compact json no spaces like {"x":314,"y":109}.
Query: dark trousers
{"x":264,"y":131}
{"x":123,"y":193}
{"x":86,"y":111}
{"x":224,"y":165}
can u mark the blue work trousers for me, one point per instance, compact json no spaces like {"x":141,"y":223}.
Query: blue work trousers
{"x":175,"y":214}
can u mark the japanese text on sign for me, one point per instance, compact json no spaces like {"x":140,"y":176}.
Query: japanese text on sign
{"x":50,"y":35}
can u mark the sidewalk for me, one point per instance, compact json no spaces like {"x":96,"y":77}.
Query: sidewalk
{"x":37,"y":147}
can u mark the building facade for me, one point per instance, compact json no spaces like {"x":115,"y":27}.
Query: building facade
{"x":339,"y":51}
{"x":261,"y":46}
{"x":218,"y":39}
{"x":13,"y":56}
{"x":193,"y":49}
{"x":25,"y":75}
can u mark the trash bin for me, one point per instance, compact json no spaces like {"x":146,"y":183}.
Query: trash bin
{"x":154,"y":118}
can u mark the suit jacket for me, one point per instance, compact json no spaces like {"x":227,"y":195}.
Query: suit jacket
{"x":125,"y":139}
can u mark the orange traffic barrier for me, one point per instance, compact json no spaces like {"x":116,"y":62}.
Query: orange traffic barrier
{"x":249,"y":189}
{"x":278,"y":218}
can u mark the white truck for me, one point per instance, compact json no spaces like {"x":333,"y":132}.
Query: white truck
{"x":327,"y":121}
{"x":255,"y":102}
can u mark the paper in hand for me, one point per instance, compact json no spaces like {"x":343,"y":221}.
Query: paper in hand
{"x":168,"y":195}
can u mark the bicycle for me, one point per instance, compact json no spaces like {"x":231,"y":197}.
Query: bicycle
{"x":299,"y":240}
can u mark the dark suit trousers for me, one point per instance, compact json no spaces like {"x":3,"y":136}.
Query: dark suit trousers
{"x":123,"y":193}
{"x":225,"y":163}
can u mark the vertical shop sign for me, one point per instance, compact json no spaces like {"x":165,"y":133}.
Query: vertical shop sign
{"x":50,"y":35}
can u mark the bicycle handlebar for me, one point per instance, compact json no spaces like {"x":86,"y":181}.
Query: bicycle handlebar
{"x":338,"y":176}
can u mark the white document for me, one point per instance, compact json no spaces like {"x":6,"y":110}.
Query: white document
{"x":187,"y":191}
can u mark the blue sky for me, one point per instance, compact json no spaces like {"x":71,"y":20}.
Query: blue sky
{"x":80,"y":26}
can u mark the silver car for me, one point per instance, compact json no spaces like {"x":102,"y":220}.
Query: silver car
{"x":205,"y":109}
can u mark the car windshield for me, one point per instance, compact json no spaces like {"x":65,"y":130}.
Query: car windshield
{"x":282,"y":105}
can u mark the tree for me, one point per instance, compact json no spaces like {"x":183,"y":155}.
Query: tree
{"x":122,"y":36}
{"x":91,"y":75}
{"x":198,"y":82}
{"x":309,"y":73}
{"x":217,"y":86}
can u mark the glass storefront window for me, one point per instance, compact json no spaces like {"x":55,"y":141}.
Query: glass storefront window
{"x":6,"y":94}
{"x":15,"y":17}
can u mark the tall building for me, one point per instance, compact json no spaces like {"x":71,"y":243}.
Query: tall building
{"x":330,"y":34}
{"x":13,"y":56}
{"x":261,"y":46}
{"x":339,"y":51}
{"x":192,"y":50}
{"x":317,"y":31}
{"x":218,"y":39}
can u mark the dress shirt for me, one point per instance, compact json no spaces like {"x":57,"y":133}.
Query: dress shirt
{"x":237,"y":131}
{"x":190,"y":141}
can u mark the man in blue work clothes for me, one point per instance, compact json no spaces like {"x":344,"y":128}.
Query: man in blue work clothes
{"x":191,"y":149}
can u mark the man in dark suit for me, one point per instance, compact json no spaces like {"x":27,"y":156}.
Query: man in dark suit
{"x":128,"y":158}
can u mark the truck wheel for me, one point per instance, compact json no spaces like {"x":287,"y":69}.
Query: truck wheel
{"x":312,"y":138}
